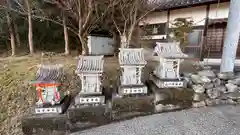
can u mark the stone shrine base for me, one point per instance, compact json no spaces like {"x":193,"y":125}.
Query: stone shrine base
{"x":82,"y":117}
{"x":132,"y":90}
{"x":128,"y":107}
{"x":49,"y":109}
{"x":45,"y":124}
{"x":167,"y":83}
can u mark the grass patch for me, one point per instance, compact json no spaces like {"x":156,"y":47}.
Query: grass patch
{"x":17,"y":95}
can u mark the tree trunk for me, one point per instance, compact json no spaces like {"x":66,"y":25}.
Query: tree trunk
{"x":11,"y":31}
{"x":84,"y":45}
{"x":18,"y":41}
{"x":116,"y":40}
{"x":130,"y":33}
{"x":65,"y":35}
{"x":30,"y":33}
{"x":124,"y":42}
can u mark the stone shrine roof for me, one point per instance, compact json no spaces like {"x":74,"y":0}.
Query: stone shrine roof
{"x":90,"y":64}
{"x":49,"y":73}
{"x":131,"y":56}
{"x":169,"y":50}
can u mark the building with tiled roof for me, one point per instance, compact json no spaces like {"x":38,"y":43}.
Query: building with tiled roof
{"x":209,"y":18}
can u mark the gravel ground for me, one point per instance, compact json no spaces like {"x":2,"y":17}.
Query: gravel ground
{"x":223,"y":120}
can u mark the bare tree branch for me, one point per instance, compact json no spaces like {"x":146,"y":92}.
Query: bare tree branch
{"x":37,"y":17}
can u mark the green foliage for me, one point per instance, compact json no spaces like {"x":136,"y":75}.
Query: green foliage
{"x":181,"y":28}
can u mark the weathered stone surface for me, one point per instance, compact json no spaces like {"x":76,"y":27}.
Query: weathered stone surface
{"x":159,"y":108}
{"x":231,"y":87}
{"x":198,"y":88}
{"x":213,"y":93}
{"x":235,"y":81}
{"x":205,"y":79}
{"x":208,"y":85}
{"x":221,"y":88}
{"x":208,"y":73}
{"x":198,"y":97}
{"x":90,"y":114}
{"x":216,"y":82}
{"x":198,"y":104}
{"x":207,"y":67}
{"x":160,"y":96}
{"x":231,"y":102}
{"x":196,"y":79}
{"x":211,"y":102}
{"x":188,"y":82}
{"x":233,"y":95}
{"x":226,"y":76}
{"x":48,"y":132}
{"x":170,"y":107}
{"x":238,"y":74}
{"x":128,"y":107}
{"x":186,"y":74}
{"x":48,"y":122}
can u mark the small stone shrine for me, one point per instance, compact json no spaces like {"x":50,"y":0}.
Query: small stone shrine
{"x":166,"y":75}
{"x":90,"y":70}
{"x":131,"y":62}
{"x":48,"y":82}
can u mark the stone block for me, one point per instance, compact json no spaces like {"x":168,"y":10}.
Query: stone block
{"x":233,"y":95}
{"x":83,"y":117}
{"x":159,"y":108}
{"x":213,"y":93}
{"x":160,"y":96}
{"x":216,"y":82}
{"x":225,"y":76}
{"x":198,"y":104}
{"x":213,"y":102}
{"x":205,"y":79}
{"x":208,"y":85}
{"x":128,"y":107}
{"x":235,"y":81}
{"x":166,"y":108}
{"x":32,"y":124}
{"x":207,"y":72}
{"x":186,"y":74}
{"x":132,"y":90}
{"x":231,"y":102}
{"x":188,"y":82}
{"x":51,"y":109}
{"x":198,"y":88}
{"x":196,"y":79}
{"x":198,"y":97}
{"x":90,"y":114}
{"x":221,"y":88}
{"x":170,"y":107}
{"x":231,"y":87}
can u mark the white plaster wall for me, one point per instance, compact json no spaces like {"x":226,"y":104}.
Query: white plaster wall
{"x":100,"y":45}
{"x":198,"y":14}
{"x":154,"y":18}
{"x":220,"y":12}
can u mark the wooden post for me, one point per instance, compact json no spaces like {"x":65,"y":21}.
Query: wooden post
{"x":232,"y":37}
{"x":204,"y":34}
{"x":167,"y":25}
